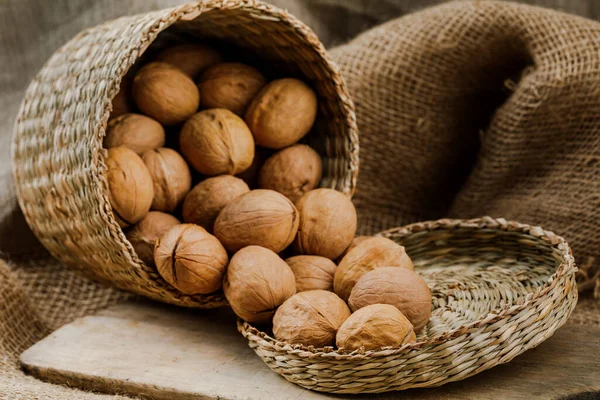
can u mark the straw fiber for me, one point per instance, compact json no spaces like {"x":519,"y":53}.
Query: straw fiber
{"x":58,"y":155}
{"x":499,"y":288}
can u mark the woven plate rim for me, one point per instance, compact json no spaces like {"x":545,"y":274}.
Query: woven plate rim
{"x":566,"y":267}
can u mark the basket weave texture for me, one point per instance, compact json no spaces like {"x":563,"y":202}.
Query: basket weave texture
{"x":58,"y":154}
{"x":499,"y":288}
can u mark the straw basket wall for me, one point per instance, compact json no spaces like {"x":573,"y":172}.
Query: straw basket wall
{"x":58,"y":154}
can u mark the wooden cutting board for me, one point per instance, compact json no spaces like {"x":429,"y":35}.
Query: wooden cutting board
{"x":160,"y":352}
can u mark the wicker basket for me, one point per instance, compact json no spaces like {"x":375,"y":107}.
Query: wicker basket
{"x":57,"y":150}
{"x":499,"y":288}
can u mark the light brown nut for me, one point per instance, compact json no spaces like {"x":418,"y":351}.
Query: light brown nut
{"x":282,"y":113}
{"x":143,"y":235}
{"x":256,"y":283}
{"x":231,"y":86}
{"x":372,"y":253}
{"x":310,"y":318}
{"x":165,"y":93}
{"x":373,"y":327}
{"x":136,"y":132}
{"x":327,"y":223}
{"x":171,"y":178}
{"x":204,"y":202}
{"x":130,"y":185}
{"x":191,"y":58}
{"x":191,"y":259}
{"x":260,"y":217}
{"x":312,"y":272}
{"x":292,"y":171}
{"x":217,"y":142}
{"x":399,"y":287}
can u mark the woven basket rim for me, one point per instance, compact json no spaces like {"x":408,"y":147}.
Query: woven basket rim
{"x":193,"y":10}
{"x":567,"y":266}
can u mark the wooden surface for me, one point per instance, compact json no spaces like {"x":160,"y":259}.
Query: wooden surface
{"x":160,"y":352}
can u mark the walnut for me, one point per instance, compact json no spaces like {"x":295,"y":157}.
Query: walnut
{"x":310,"y":318}
{"x":231,"y":86}
{"x":327,"y":223}
{"x":373,"y":327}
{"x":204,"y":202}
{"x":217,"y":142}
{"x":130,"y":185}
{"x":260,"y":217}
{"x":191,"y":58}
{"x":368,"y":255}
{"x":256,"y":283}
{"x":312,"y":272}
{"x":191,"y":259}
{"x":355,"y":242}
{"x":136,"y":132}
{"x":143,"y":235}
{"x":399,"y":287}
{"x":292,"y":171}
{"x":171,"y":177}
{"x":165,"y":93}
{"x":282,"y":113}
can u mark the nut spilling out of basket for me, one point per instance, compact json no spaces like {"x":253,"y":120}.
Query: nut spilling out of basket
{"x":235,"y":204}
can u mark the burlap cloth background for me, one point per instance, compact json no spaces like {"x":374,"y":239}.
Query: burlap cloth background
{"x":464,"y":110}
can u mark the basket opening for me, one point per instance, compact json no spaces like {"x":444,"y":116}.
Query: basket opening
{"x":251,"y":32}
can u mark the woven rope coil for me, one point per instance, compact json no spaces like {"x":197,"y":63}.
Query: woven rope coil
{"x":499,"y":288}
{"x":57,"y":150}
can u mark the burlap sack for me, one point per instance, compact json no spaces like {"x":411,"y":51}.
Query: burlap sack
{"x":480,"y":108}
{"x":420,"y":105}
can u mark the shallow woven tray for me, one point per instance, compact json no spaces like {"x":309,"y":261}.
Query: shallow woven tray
{"x":499,"y":288}
{"x":57,"y":151}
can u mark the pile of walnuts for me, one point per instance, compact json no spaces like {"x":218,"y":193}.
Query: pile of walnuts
{"x":255,"y":199}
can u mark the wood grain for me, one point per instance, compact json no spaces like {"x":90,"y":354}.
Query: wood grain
{"x":160,"y":352}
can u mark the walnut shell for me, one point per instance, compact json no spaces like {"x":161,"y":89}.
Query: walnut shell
{"x":355,"y":242}
{"x":165,"y":93}
{"x":373,"y":327}
{"x":327,"y":223}
{"x":204,"y":202}
{"x":143,"y":235}
{"x":171,"y":178}
{"x":217,"y":142}
{"x":130,"y":185}
{"x":256,"y":283}
{"x":310,"y":318}
{"x":260,"y":217}
{"x":399,"y":287}
{"x":292,"y":171}
{"x":191,"y":259}
{"x":282,"y":113}
{"x":191,"y":58}
{"x":312,"y":272}
{"x":372,"y":253}
{"x":231,"y":86}
{"x":136,"y":132}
